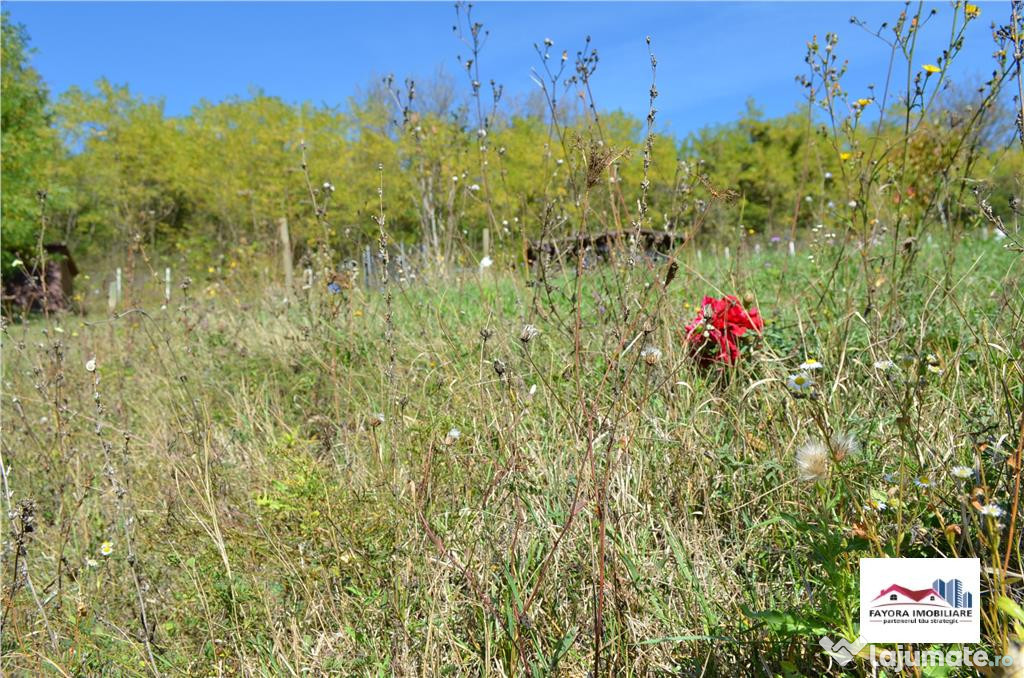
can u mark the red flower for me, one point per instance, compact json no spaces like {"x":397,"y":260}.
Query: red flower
{"x":713,"y":335}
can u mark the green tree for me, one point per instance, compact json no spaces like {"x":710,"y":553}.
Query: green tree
{"x":29,"y":147}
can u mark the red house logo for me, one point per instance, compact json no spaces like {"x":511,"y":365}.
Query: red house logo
{"x":947,"y":594}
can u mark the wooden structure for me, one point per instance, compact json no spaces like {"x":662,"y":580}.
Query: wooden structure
{"x":603,"y":244}
{"x":51,"y":289}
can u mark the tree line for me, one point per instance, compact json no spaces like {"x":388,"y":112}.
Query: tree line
{"x":106,"y":166}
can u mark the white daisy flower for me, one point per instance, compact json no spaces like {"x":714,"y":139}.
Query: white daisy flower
{"x":962,"y":472}
{"x":800,"y":383}
{"x":452,"y":437}
{"x":991,"y":511}
{"x":884,"y":365}
{"x":810,"y":364}
{"x":106,"y":548}
{"x":90,"y":365}
{"x":486,"y":262}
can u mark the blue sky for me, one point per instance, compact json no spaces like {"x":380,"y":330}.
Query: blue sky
{"x":712,"y":56}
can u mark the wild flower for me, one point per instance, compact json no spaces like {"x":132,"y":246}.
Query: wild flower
{"x":931,"y":68}
{"x":844,"y":444}
{"x":90,"y":365}
{"x":800,"y":383}
{"x":923,"y":482}
{"x":528,"y":334}
{"x":91,"y":562}
{"x":714,"y":334}
{"x":962,"y":472}
{"x":474,"y":187}
{"x":810,"y":364}
{"x":651,"y":355}
{"x":328,"y":187}
{"x":486,"y":262}
{"x":375,"y":419}
{"x":106,"y":548}
{"x":884,"y":365}
{"x":877,"y":505}
{"x":991,"y":511}
{"x":452,"y":436}
{"x":813,"y":461}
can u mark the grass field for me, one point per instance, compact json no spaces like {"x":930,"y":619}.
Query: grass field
{"x":406,"y":482}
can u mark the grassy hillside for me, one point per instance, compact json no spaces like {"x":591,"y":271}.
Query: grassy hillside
{"x":405,"y":481}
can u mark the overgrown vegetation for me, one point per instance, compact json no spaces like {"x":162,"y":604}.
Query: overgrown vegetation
{"x":510,"y":469}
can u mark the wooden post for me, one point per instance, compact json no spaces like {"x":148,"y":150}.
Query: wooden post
{"x":117,"y":287}
{"x":727,"y":253}
{"x":367,"y":266}
{"x":112,"y":296}
{"x":487,"y":242}
{"x":286,"y":255}
{"x":792,"y":248}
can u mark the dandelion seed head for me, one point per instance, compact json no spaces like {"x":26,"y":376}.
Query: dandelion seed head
{"x":844,"y":444}
{"x":528,"y":333}
{"x":813,"y":462}
{"x":651,"y":355}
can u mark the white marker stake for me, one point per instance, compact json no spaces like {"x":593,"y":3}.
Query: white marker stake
{"x":792,"y":248}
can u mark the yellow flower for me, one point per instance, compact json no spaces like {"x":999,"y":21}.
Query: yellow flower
{"x":931,"y":68}
{"x":106,"y":548}
{"x":863,"y":102}
{"x":972,"y":11}
{"x":845,"y":155}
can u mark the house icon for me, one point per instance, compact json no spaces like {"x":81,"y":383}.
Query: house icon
{"x":900,"y":595}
